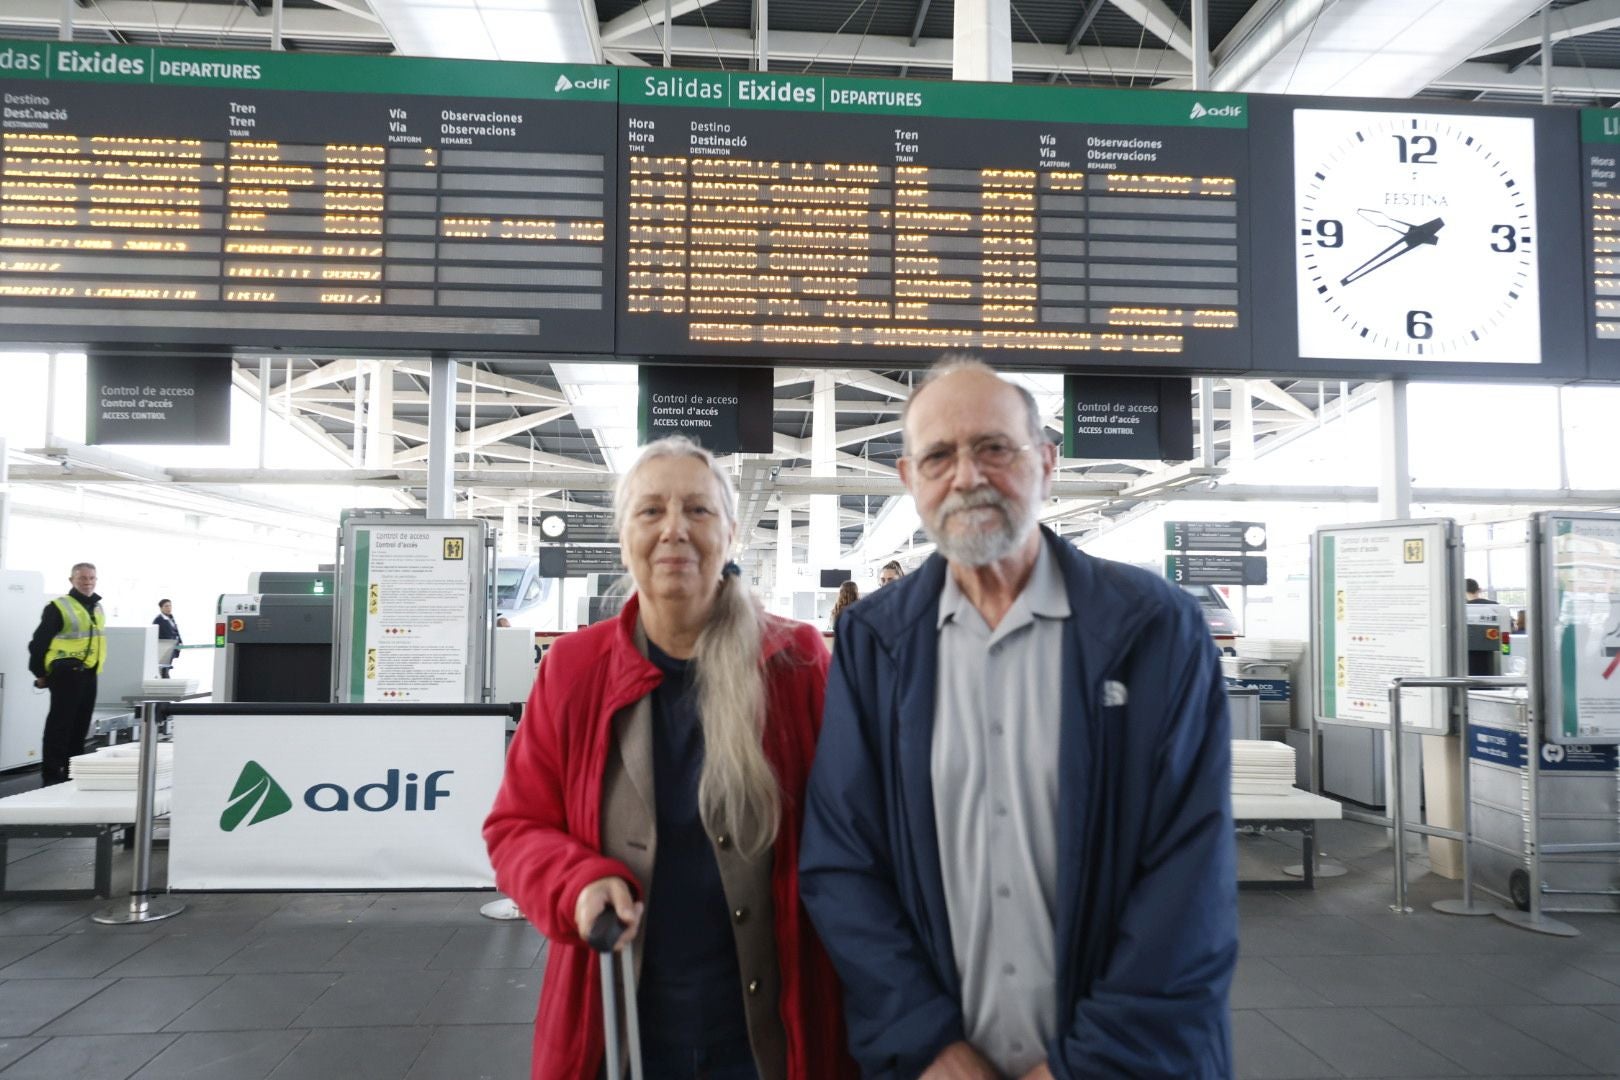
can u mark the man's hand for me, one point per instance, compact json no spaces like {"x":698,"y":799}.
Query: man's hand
{"x":1039,"y":1072}
{"x":41,"y":683}
{"x":604,"y":893}
{"x":959,"y":1061}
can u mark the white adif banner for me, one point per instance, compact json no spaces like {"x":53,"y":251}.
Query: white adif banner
{"x":335,"y":801}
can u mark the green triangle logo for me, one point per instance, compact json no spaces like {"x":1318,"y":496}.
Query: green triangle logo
{"x":256,"y":793}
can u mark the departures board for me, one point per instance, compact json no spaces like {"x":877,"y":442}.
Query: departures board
{"x":182,"y":196}
{"x":1600,"y":181}
{"x":815,"y":218}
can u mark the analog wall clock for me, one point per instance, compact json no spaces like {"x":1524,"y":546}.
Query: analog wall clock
{"x":553,"y":526}
{"x":1416,"y":237}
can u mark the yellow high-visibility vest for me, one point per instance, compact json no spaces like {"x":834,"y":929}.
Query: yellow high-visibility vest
{"x":83,"y":636}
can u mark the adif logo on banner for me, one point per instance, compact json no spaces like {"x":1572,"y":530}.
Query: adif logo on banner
{"x":1199,"y":111}
{"x":257,"y":797}
{"x":564,"y":84}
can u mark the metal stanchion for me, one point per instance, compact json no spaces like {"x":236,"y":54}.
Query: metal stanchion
{"x":142,"y":908}
{"x":1466,"y":905}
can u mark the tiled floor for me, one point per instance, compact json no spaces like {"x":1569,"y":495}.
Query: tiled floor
{"x":419,"y":986}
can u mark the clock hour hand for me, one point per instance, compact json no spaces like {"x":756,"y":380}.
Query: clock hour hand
{"x":1415,"y":237}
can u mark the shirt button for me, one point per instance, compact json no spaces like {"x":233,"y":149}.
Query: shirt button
{"x":1018,"y":1048}
{"x":1003,"y":892}
{"x":753,"y":987}
{"x":723,"y":842}
{"x":1008,"y":969}
{"x":1001,"y":809}
{"x":740,"y":915}
{"x":995,"y":729}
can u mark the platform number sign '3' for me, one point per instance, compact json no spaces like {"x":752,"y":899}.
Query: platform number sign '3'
{"x":454,"y":547}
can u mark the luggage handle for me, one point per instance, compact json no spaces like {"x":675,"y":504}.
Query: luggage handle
{"x":604,"y":934}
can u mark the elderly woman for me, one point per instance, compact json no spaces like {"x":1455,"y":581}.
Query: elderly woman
{"x":660,"y":771}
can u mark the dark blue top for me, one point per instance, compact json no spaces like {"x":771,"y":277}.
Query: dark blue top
{"x":690,"y":991}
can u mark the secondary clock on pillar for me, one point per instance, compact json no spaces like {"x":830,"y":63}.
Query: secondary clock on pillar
{"x":1416,"y":237}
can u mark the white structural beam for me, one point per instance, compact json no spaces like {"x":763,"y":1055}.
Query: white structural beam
{"x":230,"y":23}
{"x":488,"y":434}
{"x":825,"y":542}
{"x":1161,"y":22}
{"x":851,"y":436}
{"x":1272,"y":394}
{"x":1592,"y":17}
{"x":380,"y":415}
{"x":1488,"y":78}
{"x":801,"y":47}
{"x":1249,"y":48}
{"x":645,"y":16}
{"x":1394,"y":462}
{"x":249,"y":382}
{"x":981,"y":46}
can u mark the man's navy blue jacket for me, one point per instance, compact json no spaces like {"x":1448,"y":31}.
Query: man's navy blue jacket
{"x":1147,"y":882}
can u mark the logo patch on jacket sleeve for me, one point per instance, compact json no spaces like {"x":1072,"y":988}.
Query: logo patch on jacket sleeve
{"x":1114,"y":693}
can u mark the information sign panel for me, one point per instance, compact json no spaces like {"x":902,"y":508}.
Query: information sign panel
{"x":1579,"y":615}
{"x":1385,"y":606}
{"x":1215,"y":569}
{"x":283,"y":198}
{"x":1214,"y":536}
{"x":823,"y":217}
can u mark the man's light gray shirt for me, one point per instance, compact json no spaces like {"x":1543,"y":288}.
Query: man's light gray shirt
{"x":997,"y":715}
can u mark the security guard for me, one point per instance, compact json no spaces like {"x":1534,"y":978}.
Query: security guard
{"x":65,"y":655}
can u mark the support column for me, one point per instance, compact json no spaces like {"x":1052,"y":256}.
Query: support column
{"x":5,"y":500}
{"x":441,"y":490}
{"x":65,"y":31}
{"x":825,"y":546}
{"x":1394,"y":464}
{"x":264,"y":407}
{"x":762,"y":35}
{"x":511,"y":541}
{"x":1206,"y":423}
{"x":380,"y":415}
{"x":357,"y":453}
{"x":1242,"y":448}
{"x":981,"y":48}
{"x":784,"y":559}
{"x":1200,"y":44}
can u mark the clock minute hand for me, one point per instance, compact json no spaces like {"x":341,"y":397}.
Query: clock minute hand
{"x":1416,"y":236}
{"x":1384,"y":221}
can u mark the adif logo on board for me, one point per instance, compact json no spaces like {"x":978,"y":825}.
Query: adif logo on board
{"x":257,"y":797}
{"x":565,"y":84}
{"x":1199,"y":111}
{"x":257,"y":794}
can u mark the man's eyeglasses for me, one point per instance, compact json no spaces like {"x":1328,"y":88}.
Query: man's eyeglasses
{"x":990,"y":454}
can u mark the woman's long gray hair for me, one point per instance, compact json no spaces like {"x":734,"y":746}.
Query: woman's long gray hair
{"x":737,"y":791}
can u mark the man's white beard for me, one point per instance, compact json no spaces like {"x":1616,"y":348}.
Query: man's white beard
{"x":981,"y":547}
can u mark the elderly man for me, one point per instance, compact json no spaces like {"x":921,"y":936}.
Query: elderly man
{"x":1018,"y":840}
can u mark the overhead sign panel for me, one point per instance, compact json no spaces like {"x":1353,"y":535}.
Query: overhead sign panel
{"x":1121,"y":418}
{"x":828,"y":218}
{"x":1214,"y":536}
{"x":1600,"y":179}
{"x":1215,"y":569}
{"x":725,"y":411}
{"x":163,"y":398}
{"x":273,"y":198}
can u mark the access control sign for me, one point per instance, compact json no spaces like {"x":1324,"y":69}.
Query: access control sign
{"x":333,"y":802}
{"x":175,"y":399}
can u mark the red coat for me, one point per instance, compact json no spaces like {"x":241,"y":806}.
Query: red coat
{"x":544,"y":836}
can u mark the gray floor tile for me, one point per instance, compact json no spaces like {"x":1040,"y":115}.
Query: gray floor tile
{"x":1574,"y":1031}
{"x":353,"y":1054}
{"x":1260,"y":984}
{"x":485,"y":996}
{"x":1357,"y":1043}
{"x":1263,"y":1051}
{"x":1612,"y":1012}
{"x":1605,"y":966}
{"x":249,"y":1002}
{"x":46,"y":916}
{"x":134,"y":1005}
{"x":332,"y":910}
{"x":373,"y":999}
{"x":29,"y":1004}
{"x":391,"y":948}
{"x":1472,"y":1038}
{"x":14,"y":947}
{"x":1253,"y":903}
{"x":1555,"y":981}
{"x":1311,"y":935}
{"x":286,"y":951}
{"x":409,"y":909}
{"x":89,"y":1057}
{"x":512,"y":944}
{"x":1401,"y":980}
{"x":77,"y":955}
{"x":222,"y":1055}
{"x":188,"y":952}
{"x":482,"y":1052}
{"x":14,"y":1048}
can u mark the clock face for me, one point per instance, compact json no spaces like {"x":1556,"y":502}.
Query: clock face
{"x":1416,"y":237}
{"x":552,"y":525}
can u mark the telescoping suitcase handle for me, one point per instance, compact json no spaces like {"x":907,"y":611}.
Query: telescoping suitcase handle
{"x":605,"y":933}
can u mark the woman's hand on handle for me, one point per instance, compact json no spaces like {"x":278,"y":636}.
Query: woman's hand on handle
{"x":608,"y":892}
